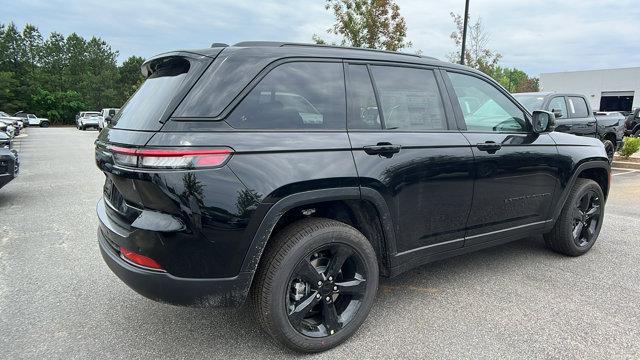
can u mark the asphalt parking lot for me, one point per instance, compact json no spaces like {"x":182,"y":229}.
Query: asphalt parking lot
{"x":59,"y":300}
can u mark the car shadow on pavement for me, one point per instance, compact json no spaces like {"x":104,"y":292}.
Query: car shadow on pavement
{"x":236,"y":331}
{"x":7,"y":198}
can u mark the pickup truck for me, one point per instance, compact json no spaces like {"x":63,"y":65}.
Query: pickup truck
{"x":574,"y":116}
{"x":632,"y":123}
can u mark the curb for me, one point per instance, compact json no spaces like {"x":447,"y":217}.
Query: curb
{"x":626,"y":164}
{"x":632,"y":158}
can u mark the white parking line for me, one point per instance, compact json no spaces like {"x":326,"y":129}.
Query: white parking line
{"x":623,"y":173}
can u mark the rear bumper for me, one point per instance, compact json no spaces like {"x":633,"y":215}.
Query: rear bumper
{"x":164,"y":287}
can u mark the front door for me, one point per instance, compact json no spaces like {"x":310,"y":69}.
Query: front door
{"x":405,"y":149}
{"x":516,"y":170}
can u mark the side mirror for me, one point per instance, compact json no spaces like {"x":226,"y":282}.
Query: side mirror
{"x":543,"y":121}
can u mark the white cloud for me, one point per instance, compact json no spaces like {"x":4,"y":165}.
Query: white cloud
{"x":536,"y":36}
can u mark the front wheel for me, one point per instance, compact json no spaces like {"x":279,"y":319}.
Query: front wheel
{"x":44,"y":124}
{"x":579,"y":223}
{"x":316,"y":285}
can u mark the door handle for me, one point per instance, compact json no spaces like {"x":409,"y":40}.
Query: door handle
{"x":382,"y":148}
{"x":489,"y":146}
{"x":591,"y":123}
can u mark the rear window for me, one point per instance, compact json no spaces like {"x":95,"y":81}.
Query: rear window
{"x":578,"y":107}
{"x":169,"y":78}
{"x":303,"y":95}
{"x":409,"y":98}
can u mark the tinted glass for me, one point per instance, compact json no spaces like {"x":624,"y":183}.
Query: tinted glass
{"x":231,"y":72}
{"x":484,"y":107}
{"x":558,"y":105}
{"x":578,"y":107}
{"x":303,"y":95}
{"x":409,"y":98}
{"x":363,"y":109}
{"x":530,"y":102}
{"x":146,"y":107}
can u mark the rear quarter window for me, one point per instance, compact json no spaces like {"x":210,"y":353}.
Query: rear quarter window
{"x":296,"y":95}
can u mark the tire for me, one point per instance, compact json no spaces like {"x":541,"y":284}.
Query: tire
{"x":610,"y":148}
{"x":562,"y":238}
{"x":637,"y":133}
{"x":44,"y":124}
{"x":309,"y":241}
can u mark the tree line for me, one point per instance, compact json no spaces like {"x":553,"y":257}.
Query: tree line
{"x":59,"y":76}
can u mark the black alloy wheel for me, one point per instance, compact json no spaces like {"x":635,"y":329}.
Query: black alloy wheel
{"x":578,"y":226}
{"x":315,"y":284}
{"x":586,"y":218}
{"x":326,"y":290}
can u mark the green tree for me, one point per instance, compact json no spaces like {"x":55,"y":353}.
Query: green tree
{"x":130,"y":77}
{"x":59,"y":76}
{"x":515,"y":80}
{"x":373,"y":24}
{"x":477,"y":54}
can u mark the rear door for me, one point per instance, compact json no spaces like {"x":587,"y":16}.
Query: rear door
{"x":406,"y":150}
{"x":516,"y":170}
{"x":583,"y":122}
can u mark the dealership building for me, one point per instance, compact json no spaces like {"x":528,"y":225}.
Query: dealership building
{"x":607,"y":89}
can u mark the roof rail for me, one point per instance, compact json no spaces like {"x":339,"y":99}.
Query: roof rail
{"x":283,"y":44}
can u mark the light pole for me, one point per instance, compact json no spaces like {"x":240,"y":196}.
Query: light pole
{"x":464,"y":31}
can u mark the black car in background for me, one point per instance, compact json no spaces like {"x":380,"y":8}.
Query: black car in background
{"x":574,"y":116}
{"x":294,"y":175}
{"x":632,"y":123}
{"x":9,"y":164}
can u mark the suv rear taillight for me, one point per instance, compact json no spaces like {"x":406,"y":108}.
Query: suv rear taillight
{"x":170,"y":158}
{"x":140,"y":260}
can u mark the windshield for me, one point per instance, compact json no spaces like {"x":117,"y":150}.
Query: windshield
{"x":531,"y":102}
{"x":91,"y":114}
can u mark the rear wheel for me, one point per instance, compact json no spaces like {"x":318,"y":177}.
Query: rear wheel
{"x":316,"y":285}
{"x":579,"y":223}
{"x":609,"y":148}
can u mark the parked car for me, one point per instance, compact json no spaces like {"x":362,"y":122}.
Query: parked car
{"x":5,"y":140}
{"x":9,"y":164}
{"x":574,"y":116}
{"x":90,"y":119}
{"x":17,"y":122}
{"x":32,"y":119}
{"x":10,"y":129}
{"x":218,"y":192}
{"x":632,"y":123}
{"x":106,"y":115}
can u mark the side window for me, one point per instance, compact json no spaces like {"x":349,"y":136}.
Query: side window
{"x":578,"y":107}
{"x":409,"y":98}
{"x":558,"y":106}
{"x":363,"y":108}
{"x":484,"y":107}
{"x":302,"y":95}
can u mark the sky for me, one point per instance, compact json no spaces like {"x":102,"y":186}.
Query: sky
{"x":535,"y":36}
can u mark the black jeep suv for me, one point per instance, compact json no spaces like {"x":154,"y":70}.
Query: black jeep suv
{"x":293,"y":176}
